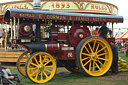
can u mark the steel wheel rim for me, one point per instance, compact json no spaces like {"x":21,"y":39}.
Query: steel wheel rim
{"x":38,"y":70}
{"x":21,"y":62}
{"x":96,"y":56}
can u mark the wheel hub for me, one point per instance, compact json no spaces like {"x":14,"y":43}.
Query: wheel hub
{"x":41,"y":67}
{"x":94,"y":56}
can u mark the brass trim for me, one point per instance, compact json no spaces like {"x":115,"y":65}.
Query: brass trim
{"x":14,"y":28}
{"x":81,"y":36}
{"x":46,"y":47}
{"x":58,"y":46}
{"x":11,"y":26}
{"x":18,"y":27}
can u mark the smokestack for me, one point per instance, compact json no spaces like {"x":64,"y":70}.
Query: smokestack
{"x":37,"y":4}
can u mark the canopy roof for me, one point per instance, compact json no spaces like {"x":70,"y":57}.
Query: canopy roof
{"x":57,"y":15}
{"x":123,"y":36}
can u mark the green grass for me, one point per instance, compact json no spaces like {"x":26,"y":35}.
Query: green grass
{"x":80,"y":79}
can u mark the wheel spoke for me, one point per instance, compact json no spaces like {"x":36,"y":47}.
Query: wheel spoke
{"x":48,"y":66}
{"x":101,"y":49}
{"x":97,"y":47}
{"x":27,"y":55}
{"x":100,"y":63}
{"x":90,"y":66}
{"x":103,"y":59}
{"x":87,"y":62}
{"x":32,"y":68}
{"x":85,"y":58}
{"x":93,"y":65}
{"x":22,"y":67}
{"x":86,"y":54}
{"x":33,"y":64}
{"x":21,"y":63}
{"x":40,"y":59}
{"x":47,"y":62}
{"x":37,"y":74}
{"x":98,"y":66}
{"x":36,"y":60}
{"x":90,"y":47}
{"x":101,"y":54}
{"x":45,"y":57}
{"x":86,"y":49}
{"x":48,"y":70}
{"x":41,"y":76}
{"x":45,"y":75}
{"x":34,"y":72}
{"x":94,"y":45}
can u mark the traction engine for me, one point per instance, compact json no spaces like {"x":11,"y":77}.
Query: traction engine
{"x":76,"y":50}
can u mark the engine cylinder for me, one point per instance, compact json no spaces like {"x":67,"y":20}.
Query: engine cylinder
{"x":77,"y":33}
{"x":25,"y":30}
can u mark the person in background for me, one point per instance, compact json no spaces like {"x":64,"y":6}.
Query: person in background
{"x":114,"y":65}
{"x":3,"y":38}
{"x":96,"y":32}
{"x":103,"y":31}
{"x":9,"y":37}
{"x":126,"y":48}
{"x":6,"y":72}
{"x":110,"y":33}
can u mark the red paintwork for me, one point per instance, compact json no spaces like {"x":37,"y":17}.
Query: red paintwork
{"x":62,"y":36}
{"x":74,"y":33}
{"x":22,"y":32}
{"x":63,"y":55}
{"x":56,"y":49}
{"x":54,"y":34}
{"x":67,"y":18}
{"x":52,"y":48}
{"x":110,"y":39}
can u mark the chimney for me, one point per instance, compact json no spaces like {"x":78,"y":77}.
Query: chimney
{"x":37,"y":4}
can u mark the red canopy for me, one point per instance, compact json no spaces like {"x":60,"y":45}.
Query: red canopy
{"x":56,"y":15}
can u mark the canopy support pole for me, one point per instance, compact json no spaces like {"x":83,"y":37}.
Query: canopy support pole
{"x":18,"y":27}
{"x":6,"y":37}
{"x":11,"y":29}
{"x":14,"y":28}
{"x":112,"y":29}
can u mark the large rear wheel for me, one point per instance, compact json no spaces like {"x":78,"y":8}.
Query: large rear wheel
{"x":93,"y":56}
{"x":40,"y":67}
{"x":21,"y":62}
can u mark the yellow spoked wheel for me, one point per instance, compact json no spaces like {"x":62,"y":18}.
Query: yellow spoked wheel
{"x":21,"y":62}
{"x":93,"y":56}
{"x":40,"y":67}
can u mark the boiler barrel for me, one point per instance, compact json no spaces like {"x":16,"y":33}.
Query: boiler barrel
{"x":51,"y":48}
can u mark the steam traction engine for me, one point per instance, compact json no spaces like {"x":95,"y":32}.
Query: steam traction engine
{"x":75,"y":48}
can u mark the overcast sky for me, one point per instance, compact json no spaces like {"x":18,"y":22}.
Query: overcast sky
{"x":122,"y":10}
{"x":121,"y":4}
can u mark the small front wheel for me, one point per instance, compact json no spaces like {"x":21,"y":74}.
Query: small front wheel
{"x":40,"y":67}
{"x":21,"y":62}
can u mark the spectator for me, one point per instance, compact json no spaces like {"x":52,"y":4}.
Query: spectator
{"x":126,"y":48}
{"x":96,"y":32}
{"x":9,"y":37}
{"x":110,"y":33}
{"x":103,"y":31}
{"x":6,"y":72}
{"x":3,"y":38}
{"x":114,"y":66}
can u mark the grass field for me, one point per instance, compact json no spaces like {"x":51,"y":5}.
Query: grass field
{"x":79,"y":79}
